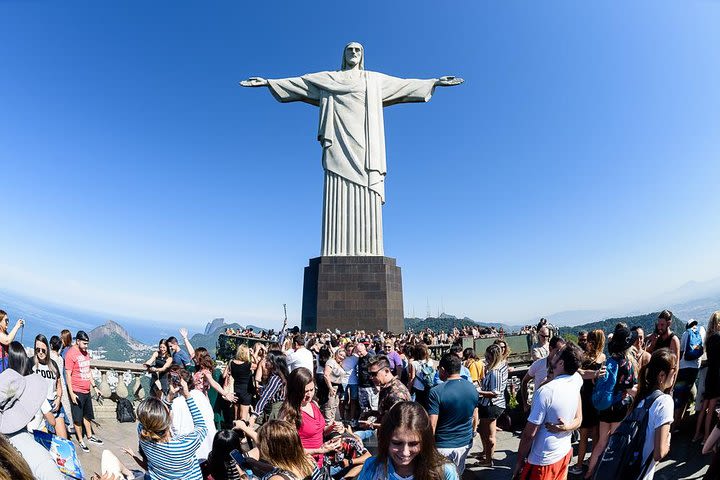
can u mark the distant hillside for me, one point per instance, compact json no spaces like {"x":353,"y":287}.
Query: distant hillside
{"x":113,"y":342}
{"x":647,"y":322}
{"x":436,"y":324}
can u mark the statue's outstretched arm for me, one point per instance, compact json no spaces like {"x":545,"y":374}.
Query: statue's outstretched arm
{"x":448,"y":81}
{"x":254,"y":82}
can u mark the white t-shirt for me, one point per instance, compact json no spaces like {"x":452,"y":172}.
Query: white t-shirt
{"x":182,"y":422}
{"x":661,"y":413}
{"x":538,"y":371}
{"x":683,"y":345}
{"x":556,"y":399}
{"x":50,"y":378}
{"x":301,"y":357}
{"x":350,"y":366}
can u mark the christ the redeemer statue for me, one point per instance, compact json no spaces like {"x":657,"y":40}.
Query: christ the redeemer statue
{"x":352,"y":136}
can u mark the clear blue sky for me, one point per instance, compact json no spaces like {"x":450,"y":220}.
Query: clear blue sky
{"x":577,"y":167}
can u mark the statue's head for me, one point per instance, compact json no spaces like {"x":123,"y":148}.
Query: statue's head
{"x":353,"y":54}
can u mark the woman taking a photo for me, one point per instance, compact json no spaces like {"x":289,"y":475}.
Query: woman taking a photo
{"x":159,"y":363}
{"x":406,"y":448}
{"x":168,"y":457}
{"x":492,"y":400}
{"x":7,"y":337}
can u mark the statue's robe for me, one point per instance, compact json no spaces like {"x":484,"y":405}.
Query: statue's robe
{"x":352,"y":135}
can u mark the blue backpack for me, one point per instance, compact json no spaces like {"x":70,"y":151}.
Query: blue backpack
{"x":694,"y":348}
{"x":603,"y":396}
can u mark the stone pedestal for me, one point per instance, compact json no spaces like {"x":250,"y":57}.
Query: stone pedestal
{"x":352,"y":293}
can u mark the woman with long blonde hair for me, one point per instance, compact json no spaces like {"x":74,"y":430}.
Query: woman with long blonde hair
{"x":279,"y":444}
{"x":492,"y":399}
{"x":240,"y":381}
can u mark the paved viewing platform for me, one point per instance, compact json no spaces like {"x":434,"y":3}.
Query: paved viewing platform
{"x":685,"y":461}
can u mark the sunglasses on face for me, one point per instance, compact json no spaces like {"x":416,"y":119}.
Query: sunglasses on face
{"x":374,"y":374}
{"x":39,"y":349}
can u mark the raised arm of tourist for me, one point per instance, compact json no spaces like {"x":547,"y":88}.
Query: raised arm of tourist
{"x":7,"y":338}
{"x":194,"y":439}
{"x":190,"y":349}
{"x":230,"y":397}
{"x":245,"y":427}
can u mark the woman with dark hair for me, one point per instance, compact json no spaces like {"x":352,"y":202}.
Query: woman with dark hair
{"x":622,"y":359}
{"x":300,"y":410}
{"x":492,"y":399}
{"x":55,"y":347}
{"x":420,"y":368}
{"x":203,"y":376}
{"x":273,"y":393}
{"x":48,"y":369}
{"x":6,"y":337}
{"x":18,"y":359}
{"x":221,"y":465}
{"x":159,"y":363}
{"x":67,"y":341}
{"x":654,"y":382}
{"x":406,"y":448}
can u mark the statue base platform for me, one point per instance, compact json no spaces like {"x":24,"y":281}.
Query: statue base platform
{"x":352,"y":293}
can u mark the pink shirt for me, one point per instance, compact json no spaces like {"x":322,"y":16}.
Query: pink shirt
{"x":79,"y":365}
{"x":311,"y":431}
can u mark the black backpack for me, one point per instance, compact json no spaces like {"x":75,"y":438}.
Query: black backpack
{"x":124,"y":411}
{"x":622,"y":458}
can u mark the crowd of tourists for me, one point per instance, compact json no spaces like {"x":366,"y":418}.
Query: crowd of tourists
{"x":315,"y":405}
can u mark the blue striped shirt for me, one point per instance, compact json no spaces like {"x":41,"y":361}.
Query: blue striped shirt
{"x":176,"y":460}
{"x":273,"y":392}
{"x":495,"y":380}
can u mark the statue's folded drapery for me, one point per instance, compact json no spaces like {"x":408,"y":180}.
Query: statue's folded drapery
{"x":352,"y":134}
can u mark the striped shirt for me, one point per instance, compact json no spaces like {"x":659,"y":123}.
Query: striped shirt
{"x":495,"y":380}
{"x":176,"y":460}
{"x":273,"y":392}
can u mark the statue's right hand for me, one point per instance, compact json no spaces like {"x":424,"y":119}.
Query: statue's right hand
{"x":254,"y":82}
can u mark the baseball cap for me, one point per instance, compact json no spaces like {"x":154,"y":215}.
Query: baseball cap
{"x":81,"y":335}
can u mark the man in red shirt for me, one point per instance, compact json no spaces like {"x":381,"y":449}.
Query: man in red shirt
{"x":80,"y":384}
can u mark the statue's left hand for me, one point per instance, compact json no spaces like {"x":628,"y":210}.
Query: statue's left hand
{"x":448,"y":81}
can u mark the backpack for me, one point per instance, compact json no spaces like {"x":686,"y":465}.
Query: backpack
{"x":428,"y":375}
{"x":124,"y":411}
{"x":602,"y":395}
{"x":694,"y":340}
{"x":622,"y":457}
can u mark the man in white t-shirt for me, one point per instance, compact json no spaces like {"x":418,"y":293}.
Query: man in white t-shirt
{"x":538,"y":371}
{"x":545,"y":446}
{"x":300,"y":356}
{"x":689,"y":367}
